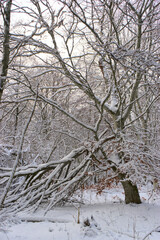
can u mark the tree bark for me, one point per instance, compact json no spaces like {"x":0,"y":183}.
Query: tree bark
{"x":6,"y":49}
{"x":131,"y":192}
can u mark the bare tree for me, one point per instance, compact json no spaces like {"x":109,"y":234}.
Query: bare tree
{"x":106,"y":54}
{"x":5,"y":8}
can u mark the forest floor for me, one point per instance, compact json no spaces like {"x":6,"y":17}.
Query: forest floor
{"x":102,"y":217}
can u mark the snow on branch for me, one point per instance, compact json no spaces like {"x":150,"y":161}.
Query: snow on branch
{"x":33,"y":185}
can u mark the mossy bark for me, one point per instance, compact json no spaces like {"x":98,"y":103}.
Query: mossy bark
{"x":131,"y":192}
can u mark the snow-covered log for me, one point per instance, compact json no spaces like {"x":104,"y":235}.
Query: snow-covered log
{"x":42,"y":219}
{"x":48,"y":182}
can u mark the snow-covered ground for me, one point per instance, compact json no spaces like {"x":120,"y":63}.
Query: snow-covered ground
{"x":102,"y":217}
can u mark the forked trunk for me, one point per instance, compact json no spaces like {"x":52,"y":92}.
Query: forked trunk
{"x":131,"y":192}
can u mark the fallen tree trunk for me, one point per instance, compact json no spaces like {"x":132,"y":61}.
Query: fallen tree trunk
{"x":43,"y":219}
{"x":37,"y":184}
{"x":51,"y":183}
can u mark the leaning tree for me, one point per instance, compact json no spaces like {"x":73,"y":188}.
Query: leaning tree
{"x":106,"y":55}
